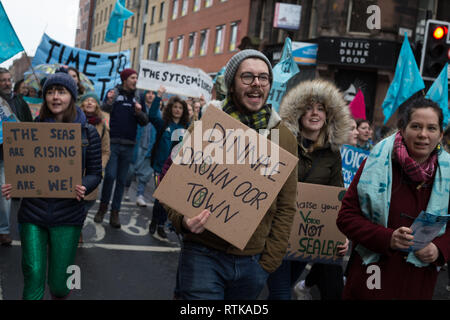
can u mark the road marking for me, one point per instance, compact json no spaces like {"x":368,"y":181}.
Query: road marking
{"x":122,"y":247}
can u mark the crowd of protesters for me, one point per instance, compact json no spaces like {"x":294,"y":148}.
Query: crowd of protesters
{"x":131,"y":135}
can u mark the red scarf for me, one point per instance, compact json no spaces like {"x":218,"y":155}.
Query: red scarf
{"x":418,"y":172}
{"x":94,"y":120}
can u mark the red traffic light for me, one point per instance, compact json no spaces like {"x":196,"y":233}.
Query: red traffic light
{"x":440,"y":32}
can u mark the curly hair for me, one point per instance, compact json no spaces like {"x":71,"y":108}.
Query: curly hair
{"x":167,"y":111}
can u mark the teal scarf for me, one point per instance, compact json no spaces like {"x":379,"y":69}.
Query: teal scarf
{"x":375,"y":186}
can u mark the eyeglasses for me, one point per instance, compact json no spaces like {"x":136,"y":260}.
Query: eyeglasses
{"x":247,"y":78}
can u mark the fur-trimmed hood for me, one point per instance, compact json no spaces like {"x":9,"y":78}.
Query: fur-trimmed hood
{"x":294,"y":104}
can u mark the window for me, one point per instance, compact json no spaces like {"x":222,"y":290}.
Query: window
{"x":204,"y":34}
{"x":220,"y":32}
{"x":101,"y":16}
{"x":208,"y":3}
{"x":161,"y":12}
{"x":234,"y":29}
{"x":153,"y":51}
{"x":143,"y":33}
{"x":95,"y":38}
{"x":180,"y":47}
{"x":103,"y":37}
{"x":196,"y":5}
{"x":175,"y":9}
{"x":134,"y":56}
{"x":184,"y":8}
{"x":169,"y":49}
{"x":357,"y":18}
{"x":152,"y":18}
{"x":146,"y":7}
{"x":192,"y":40}
{"x":96,"y":19}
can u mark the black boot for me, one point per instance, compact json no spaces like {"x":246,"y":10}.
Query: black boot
{"x":114,"y":219}
{"x":101,"y":212}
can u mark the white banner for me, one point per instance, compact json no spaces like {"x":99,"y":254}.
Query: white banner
{"x":177,"y":79}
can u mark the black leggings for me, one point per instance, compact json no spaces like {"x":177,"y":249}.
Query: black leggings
{"x":328,"y":278}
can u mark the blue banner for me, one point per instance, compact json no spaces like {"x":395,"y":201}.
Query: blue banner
{"x":102,"y":68}
{"x":352,"y":158}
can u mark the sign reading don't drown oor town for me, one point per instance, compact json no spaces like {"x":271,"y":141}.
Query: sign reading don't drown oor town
{"x":229,"y":169}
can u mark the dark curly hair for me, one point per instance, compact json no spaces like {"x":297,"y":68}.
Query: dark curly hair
{"x":167,"y":111}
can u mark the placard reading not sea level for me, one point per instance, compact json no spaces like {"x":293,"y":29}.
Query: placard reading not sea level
{"x":230,"y":170}
{"x":42,"y":159}
{"x":314,"y":234}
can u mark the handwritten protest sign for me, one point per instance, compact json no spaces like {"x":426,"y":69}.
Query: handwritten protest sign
{"x":102,"y":68}
{"x":6,"y":115}
{"x":314,"y":234}
{"x":230,"y":170}
{"x":42,"y":159}
{"x":352,"y":158}
{"x":177,"y":79}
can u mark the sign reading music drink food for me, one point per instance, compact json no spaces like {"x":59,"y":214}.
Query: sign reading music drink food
{"x":228,"y":169}
{"x":42,"y":159}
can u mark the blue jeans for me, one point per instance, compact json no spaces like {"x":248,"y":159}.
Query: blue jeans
{"x":281,"y":281}
{"x":205,"y":273}
{"x":116,"y":170}
{"x":142,"y":170}
{"x":5,"y":205}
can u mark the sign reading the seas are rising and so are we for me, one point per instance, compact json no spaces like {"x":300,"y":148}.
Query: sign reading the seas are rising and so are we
{"x":102,"y":68}
{"x":177,"y":79}
{"x":229,"y":169}
{"x":42,"y":159}
{"x":314,"y":234}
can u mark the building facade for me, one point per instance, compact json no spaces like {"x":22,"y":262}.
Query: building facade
{"x":205,"y":34}
{"x":84,"y":25}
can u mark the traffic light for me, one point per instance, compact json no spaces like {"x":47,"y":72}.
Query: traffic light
{"x":436,"y":49}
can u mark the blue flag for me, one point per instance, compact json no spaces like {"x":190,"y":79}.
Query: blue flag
{"x":9,"y":42}
{"x":282,"y":72}
{"x":116,"y":20}
{"x":439,"y":92}
{"x":407,"y":81}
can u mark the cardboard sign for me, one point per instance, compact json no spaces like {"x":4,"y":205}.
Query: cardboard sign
{"x":102,"y":68}
{"x":314,"y":235}
{"x":177,"y":79}
{"x":229,"y":169}
{"x":42,"y":159}
{"x":352,"y":158}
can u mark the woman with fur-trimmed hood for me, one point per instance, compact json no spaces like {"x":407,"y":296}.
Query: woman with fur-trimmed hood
{"x":318,"y":116}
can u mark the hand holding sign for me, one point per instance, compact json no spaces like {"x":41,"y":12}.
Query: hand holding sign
{"x":197,"y":223}
{"x":6,"y":191}
{"x":161,"y":91}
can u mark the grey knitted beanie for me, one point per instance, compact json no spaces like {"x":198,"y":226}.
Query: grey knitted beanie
{"x":235,"y":61}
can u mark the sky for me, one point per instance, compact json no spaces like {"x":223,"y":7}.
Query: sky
{"x":31,"y":18}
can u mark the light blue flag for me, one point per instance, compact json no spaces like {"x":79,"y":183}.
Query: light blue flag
{"x":9,"y":42}
{"x":439,"y":92}
{"x":407,"y":81}
{"x":116,"y":20}
{"x":282,"y":72}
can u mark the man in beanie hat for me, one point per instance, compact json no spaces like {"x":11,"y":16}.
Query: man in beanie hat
{"x":210,"y":267}
{"x":125,"y":114}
